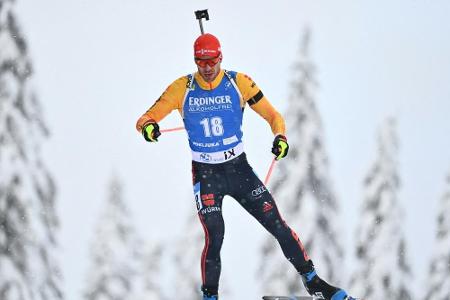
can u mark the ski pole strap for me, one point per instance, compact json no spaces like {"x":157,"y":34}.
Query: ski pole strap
{"x":270,"y":171}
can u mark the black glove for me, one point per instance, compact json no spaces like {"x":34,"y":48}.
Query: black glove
{"x":280,"y":147}
{"x":151,"y":132}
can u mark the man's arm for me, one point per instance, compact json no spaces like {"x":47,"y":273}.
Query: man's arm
{"x":271,"y":115}
{"x":259,"y":103}
{"x":171,"y":99}
{"x":253,"y":96}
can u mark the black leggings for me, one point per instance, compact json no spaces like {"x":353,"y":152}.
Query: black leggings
{"x":237,"y":179}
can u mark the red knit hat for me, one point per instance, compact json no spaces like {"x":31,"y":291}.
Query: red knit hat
{"x":207,"y":45}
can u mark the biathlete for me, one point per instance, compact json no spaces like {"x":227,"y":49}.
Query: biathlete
{"x":211,"y":102}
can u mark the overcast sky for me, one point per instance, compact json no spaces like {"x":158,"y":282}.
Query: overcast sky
{"x":100,"y":64}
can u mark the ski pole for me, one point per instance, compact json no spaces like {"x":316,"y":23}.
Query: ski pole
{"x":270,"y":171}
{"x":199,"y":15}
{"x":172,"y":129}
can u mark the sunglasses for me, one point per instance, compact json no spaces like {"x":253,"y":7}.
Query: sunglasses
{"x":202,"y":63}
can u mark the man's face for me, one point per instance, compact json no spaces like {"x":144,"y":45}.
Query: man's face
{"x":209,"y":67}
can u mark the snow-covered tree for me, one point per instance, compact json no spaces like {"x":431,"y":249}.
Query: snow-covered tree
{"x":382,"y":270}
{"x":152,"y":273}
{"x":438,"y":284}
{"x":28,"y":219}
{"x":303,"y":190}
{"x":114,"y":272}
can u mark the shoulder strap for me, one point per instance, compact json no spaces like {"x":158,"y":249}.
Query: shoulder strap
{"x":190,"y":81}
{"x":232,"y":77}
{"x":189,"y":86}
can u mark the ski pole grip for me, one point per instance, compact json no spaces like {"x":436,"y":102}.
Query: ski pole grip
{"x":199,"y":15}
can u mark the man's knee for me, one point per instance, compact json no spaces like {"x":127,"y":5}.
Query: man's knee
{"x":276,"y":226}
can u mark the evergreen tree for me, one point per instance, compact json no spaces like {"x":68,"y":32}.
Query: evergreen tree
{"x":114,"y":273}
{"x":152,"y":273}
{"x":383,"y":271}
{"x":302,"y":187}
{"x":28,"y":219}
{"x":438,"y":286}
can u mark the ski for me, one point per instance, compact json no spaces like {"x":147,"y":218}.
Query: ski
{"x":295,"y":298}
{"x":289,"y":298}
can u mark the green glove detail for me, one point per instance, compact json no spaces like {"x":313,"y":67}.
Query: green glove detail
{"x":151,"y":132}
{"x":280,"y":147}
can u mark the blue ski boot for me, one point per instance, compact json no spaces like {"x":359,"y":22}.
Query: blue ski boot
{"x":210,"y":292}
{"x":317,"y":287}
